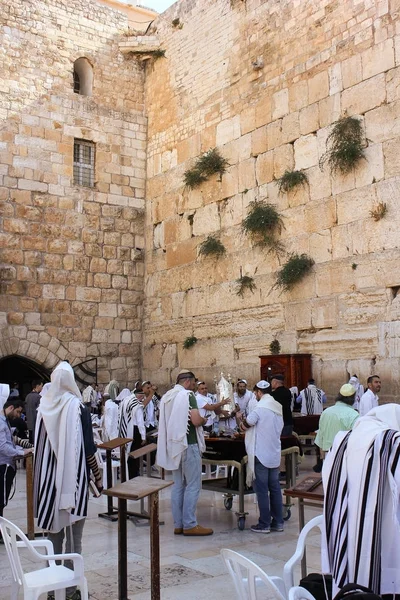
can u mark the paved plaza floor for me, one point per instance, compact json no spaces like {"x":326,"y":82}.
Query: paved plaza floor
{"x":191,"y":568}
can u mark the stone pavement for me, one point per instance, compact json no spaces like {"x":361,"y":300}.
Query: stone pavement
{"x":191,"y":567}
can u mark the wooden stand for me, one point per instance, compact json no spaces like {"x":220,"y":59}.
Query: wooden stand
{"x":136,"y":489}
{"x":140,"y":454}
{"x":30,"y":523}
{"x":112,"y":513}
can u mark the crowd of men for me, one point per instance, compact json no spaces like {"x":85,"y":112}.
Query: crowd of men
{"x":59,"y":424}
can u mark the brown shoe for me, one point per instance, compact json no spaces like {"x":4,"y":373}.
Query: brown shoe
{"x":178,"y":530}
{"x":198,"y":530}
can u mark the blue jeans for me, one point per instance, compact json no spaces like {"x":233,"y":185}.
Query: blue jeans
{"x":269,"y":495}
{"x":186,"y":488}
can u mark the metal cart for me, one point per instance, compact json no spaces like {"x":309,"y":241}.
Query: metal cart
{"x":217,"y":448}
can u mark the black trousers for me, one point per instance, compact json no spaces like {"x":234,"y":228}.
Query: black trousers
{"x":134,"y":463}
{"x":7,"y":475}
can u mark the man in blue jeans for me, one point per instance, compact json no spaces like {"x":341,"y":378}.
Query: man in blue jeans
{"x":179,"y":448}
{"x":263,"y":426}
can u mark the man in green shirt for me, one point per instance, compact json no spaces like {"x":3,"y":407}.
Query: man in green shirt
{"x":340,"y":417}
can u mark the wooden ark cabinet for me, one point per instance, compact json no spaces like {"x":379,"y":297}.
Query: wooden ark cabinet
{"x":296,"y":368}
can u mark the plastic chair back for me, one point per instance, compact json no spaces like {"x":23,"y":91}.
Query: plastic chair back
{"x":288,"y":569}
{"x":299,"y":593}
{"x":247,"y":576}
{"x":11,"y":533}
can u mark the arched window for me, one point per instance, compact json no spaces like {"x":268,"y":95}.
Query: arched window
{"x":83,"y":77}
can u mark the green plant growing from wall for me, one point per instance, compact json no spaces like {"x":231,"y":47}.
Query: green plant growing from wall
{"x":379,"y":211}
{"x":293,"y":271}
{"x":212,"y":247}
{"x":160,"y":53}
{"x":290,"y":180}
{"x":275,"y":347}
{"x":245,"y":283}
{"x":345,"y":146}
{"x":208,"y":164}
{"x":262,"y":223}
{"x":189,"y":342}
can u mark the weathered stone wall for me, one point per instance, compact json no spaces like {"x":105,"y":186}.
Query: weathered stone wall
{"x":71,"y":261}
{"x":320,"y":60}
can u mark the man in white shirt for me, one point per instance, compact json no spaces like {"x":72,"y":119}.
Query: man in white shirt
{"x":263,"y":426}
{"x":369,"y":399}
{"x":241,"y":397}
{"x":206,"y":405}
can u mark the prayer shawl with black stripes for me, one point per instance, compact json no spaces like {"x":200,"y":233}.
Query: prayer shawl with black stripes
{"x":311,"y":400}
{"x":127,"y":411}
{"x":361,"y":477}
{"x":60,"y":472}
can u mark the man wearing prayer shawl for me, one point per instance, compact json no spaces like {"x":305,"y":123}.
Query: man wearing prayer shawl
{"x":361,"y":478}
{"x":64,"y":454}
{"x":312,"y":399}
{"x":131,"y":425}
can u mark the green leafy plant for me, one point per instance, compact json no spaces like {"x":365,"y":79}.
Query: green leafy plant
{"x":262,"y":223}
{"x":345,"y":145}
{"x":245,"y":283}
{"x":212,"y":247}
{"x":290,"y":180}
{"x":354,"y":266}
{"x":275,"y":347}
{"x":206,"y":165}
{"x":293,"y":271}
{"x":378,"y":211}
{"x":189,"y":342}
{"x":160,"y":53}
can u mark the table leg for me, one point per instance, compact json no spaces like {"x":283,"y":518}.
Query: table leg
{"x":301,"y":525}
{"x":122,"y":551}
{"x":154,"y":547}
{"x":29,"y":497}
{"x":123,"y":463}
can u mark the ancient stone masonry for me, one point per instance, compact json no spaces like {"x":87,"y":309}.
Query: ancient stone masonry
{"x":263,"y":81}
{"x":71,"y":256}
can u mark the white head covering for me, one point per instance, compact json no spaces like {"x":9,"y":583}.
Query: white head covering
{"x":4,"y":393}
{"x":45,"y":388}
{"x":123,"y":394}
{"x":63,"y":389}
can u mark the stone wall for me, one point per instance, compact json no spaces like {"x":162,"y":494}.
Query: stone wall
{"x":71,"y":257}
{"x":263,"y":81}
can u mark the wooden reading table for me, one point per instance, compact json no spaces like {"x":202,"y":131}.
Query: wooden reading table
{"x":140,"y":453}
{"x":30,"y":534}
{"x":112,"y":513}
{"x":136,"y":489}
{"x":309,"y":492}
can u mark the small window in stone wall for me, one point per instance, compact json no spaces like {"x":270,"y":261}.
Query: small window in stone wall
{"x":83,"y":77}
{"x":84,"y":153}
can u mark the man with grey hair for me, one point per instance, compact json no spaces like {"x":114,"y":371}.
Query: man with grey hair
{"x":179,"y":448}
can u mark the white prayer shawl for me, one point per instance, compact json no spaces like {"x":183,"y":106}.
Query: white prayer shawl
{"x":4,"y":393}
{"x":110,"y":422}
{"x":88,"y":395}
{"x":173,"y":427}
{"x":45,"y":388}
{"x":149,"y":414}
{"x":268,"y":403}
{"x":311,"y":400}
{"x":60,"y":463}
{"x":128,"y":417}
{"x":112,"y":389}
{"x":125,"y":393}
{"x":354,"y":381}
{"x":361,"y":477}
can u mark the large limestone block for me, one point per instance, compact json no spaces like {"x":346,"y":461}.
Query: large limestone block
{"x":364,"y":96}
{"x":371,"y":169}
{"x":188,"y":148}
{"x":298,"y":95}
{"x":231,"y":212}
{"x":259,"y":142}
{"x":291,"y":127}
{"x":263,"y":110}
{"x":248,"y":119}
{"x":247,"y":174}
{"x":335,"y":79}
{"x":320,"y":215}
{"x":274,"y":134}
{"x":265,"y":167}
{"x":324,"y":313}
{"x":283,"y":160}
{"x":280,"y":104}
{"x":306,"y":152}
{"x":377,"y":59}
{"x":181,"y":254}
{"x":354,"y":205}
{"x":391,"y":150}
{"x":309,"y":119}
{"x":334,"y":279}
{"x":230,"y":182}
{"x":393,"y":85}
{"x":228,"y":130}
{"x":206,"y":220}
{"x":318,"y":87}
{"x":320,"y":184}
{"x":329,"y":110}
{"x":321,"y":246}
{"x":383,"y":123}
{"x":298,"y":315}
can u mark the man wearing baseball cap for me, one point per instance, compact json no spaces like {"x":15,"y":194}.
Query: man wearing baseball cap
{"x":263,"y":426}
{"x":340,"y":417}
{"x":179,"y":448}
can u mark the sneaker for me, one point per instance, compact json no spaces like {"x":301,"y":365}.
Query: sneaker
{"x":178,"y":530}
{"x":198,"y":530}
{"x":260,"y":528}
{"x":275,"y":527}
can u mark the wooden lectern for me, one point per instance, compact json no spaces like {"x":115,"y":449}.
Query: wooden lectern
{"x":112,"y":513}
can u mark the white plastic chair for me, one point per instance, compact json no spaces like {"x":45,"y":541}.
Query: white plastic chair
{"x":249,"y":577}
{"x":115,"y":465}
{"x":299,"y":593}
{"x":288,"y":569}
{"x":54,"y":577}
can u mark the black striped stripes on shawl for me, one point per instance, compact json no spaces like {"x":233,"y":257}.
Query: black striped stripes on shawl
{"x":381,"y":458}
{"x":312,"y":395}
{"x":126,"y":415}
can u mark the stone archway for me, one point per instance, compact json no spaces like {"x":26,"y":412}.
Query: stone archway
{"x":23,"y":371}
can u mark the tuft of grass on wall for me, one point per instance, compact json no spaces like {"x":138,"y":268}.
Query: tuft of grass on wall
{"x":212,"y":247}
{"x":290,"y":180}
{"x":189,"y":342}
{"x":345,"y":146}
{"x":293,"y":271}
{"x":245,"y":283}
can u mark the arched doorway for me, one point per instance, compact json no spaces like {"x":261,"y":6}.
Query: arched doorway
{"x":21,"y":370}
